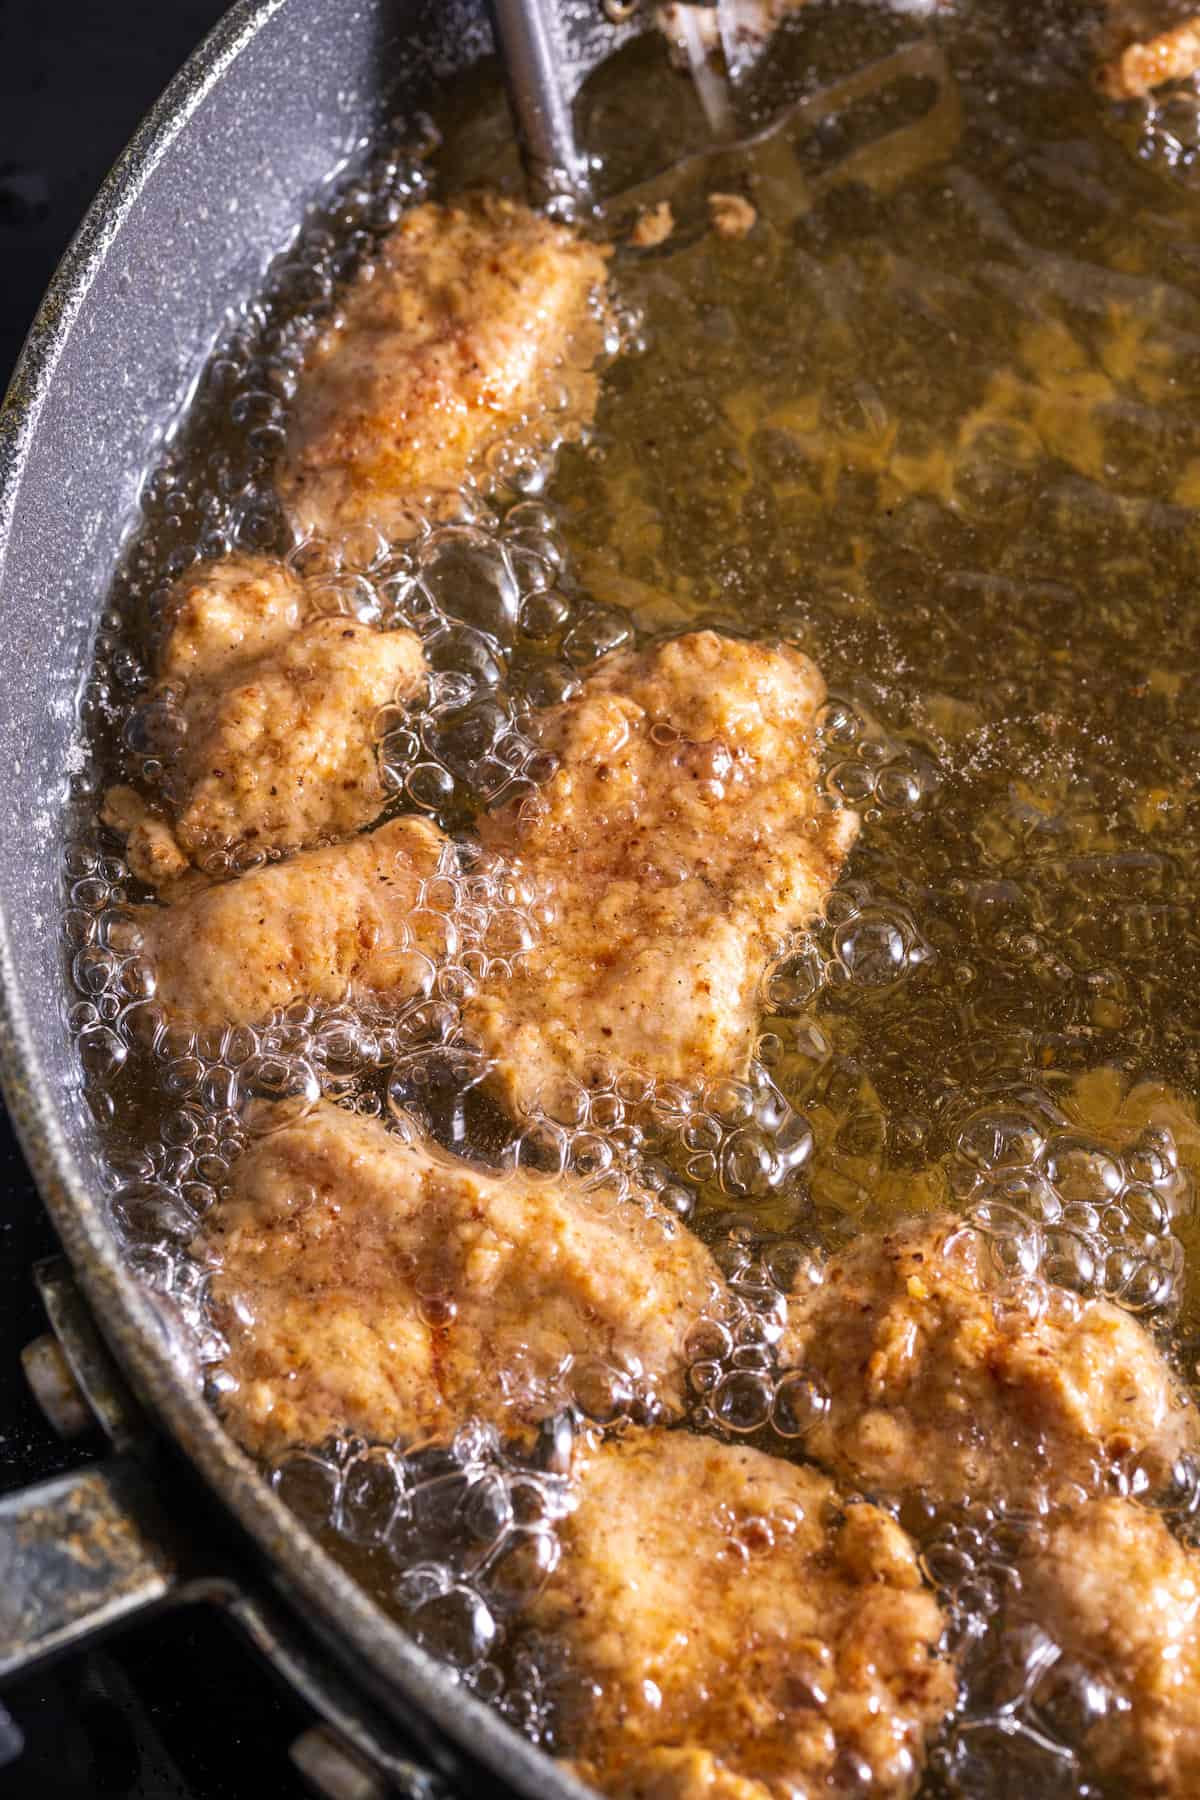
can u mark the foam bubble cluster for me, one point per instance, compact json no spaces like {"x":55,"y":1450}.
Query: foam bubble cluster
{"x":862,"y":941}
{"x":731,"y":1139}
{"x":1167,"y":123}
{"x":1028,"y":1707}
{"x":1058,"y":1202}
{"x":467,"y":1533}
{"x":735,"y":1384}
{"x":867,"y":767}
{"x":475,"y":917}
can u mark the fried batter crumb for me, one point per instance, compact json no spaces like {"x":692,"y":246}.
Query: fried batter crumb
{"x":732,"y":215}
{"x":1148,"y":62}
{"x":654,"y":226}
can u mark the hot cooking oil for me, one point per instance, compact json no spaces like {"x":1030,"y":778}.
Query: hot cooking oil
{"x":934,"y":417}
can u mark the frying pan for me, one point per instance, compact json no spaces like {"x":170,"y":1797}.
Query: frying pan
{"x":211,"y":187}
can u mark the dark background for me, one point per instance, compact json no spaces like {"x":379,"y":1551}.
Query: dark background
{"x":175,"y":1709}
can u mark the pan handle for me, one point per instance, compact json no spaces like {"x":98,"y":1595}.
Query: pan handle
{"x":78,"y":1555}
{"x":92,"y":1550}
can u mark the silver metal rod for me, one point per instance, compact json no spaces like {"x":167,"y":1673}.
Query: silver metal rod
{"x":530,"y":38}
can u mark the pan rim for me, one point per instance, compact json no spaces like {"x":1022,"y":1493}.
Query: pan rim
{"x":299,"y":1566}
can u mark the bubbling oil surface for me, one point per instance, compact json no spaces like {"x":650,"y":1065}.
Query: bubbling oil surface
{"x":934,"y":420}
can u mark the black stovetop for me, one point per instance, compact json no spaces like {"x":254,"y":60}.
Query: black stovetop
{"x":176,"y":1709}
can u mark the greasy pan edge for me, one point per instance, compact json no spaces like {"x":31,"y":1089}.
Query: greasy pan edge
{"x":125,"y":1314}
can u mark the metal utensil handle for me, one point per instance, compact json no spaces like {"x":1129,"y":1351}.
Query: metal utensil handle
{"x":78,"y":1556}
{"x":94,"y":1549}
{"x":530,"y":36}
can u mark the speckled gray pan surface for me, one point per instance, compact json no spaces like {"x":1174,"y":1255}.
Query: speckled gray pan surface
{"x":211,"y":188}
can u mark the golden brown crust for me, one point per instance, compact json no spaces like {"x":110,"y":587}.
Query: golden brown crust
{"x":151,"y":847}
{"x":473,"y":319}
{"x":940,"y":1378}
{"x":680,"y":840}
{"x":735,"y":1634}
{"x":281,"y":754}
{"x":275,"y":717}
{"x":221,"y":615}
{"x":324,"y":925}
{"x":374,"y":1285}
{"x":1121,"y":1597}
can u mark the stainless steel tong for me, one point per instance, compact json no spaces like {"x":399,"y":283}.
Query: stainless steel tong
{"x":532,"y":37}
{"x":550,"y":47}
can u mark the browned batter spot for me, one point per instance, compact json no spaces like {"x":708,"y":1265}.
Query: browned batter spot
{"x":389,"y":1288}
{"x":738,"y":1634}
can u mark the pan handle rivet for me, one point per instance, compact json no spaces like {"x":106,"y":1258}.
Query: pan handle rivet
{"x":54,"y":1386}
{"x":332,"y":1768}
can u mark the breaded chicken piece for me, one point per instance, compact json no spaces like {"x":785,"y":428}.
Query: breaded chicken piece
{"x":1145,"y":47}
{"x":679,"y":842}
{"x":1121,"y":1597}
{"x":939,"y":1379}
{"x":323,"y":925}
{"x":389,"y":1288}
{"x":738,"y":1634}
{"x":283,"y":755}
{"x":473,"y":319}
{"x":278,"y":750}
